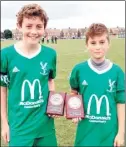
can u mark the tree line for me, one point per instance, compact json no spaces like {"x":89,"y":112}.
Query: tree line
{"x":7,"y":34}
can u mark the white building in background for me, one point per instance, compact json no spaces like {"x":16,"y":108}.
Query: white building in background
{"x":70,"y":32}
{"x":17,"y":35}
{"x":121,"y":33}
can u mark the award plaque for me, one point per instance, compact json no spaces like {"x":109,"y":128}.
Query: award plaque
{"x":74,"y":106}
{"x":56,"y":103}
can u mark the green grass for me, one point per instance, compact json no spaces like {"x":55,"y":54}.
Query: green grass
{"x":69,"y":53}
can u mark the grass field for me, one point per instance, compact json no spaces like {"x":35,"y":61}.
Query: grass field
{"x":70,"y":52}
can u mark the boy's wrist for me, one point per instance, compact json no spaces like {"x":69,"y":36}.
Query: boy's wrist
{"x":74,"y":92}
{"x":4,"y":121}
{"x":121,"y":132}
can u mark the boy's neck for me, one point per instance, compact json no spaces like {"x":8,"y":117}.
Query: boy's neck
{"x":28,"y":49}
{"x":98,"y":61}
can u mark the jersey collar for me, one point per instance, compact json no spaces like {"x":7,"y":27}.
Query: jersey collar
{"x":29,"y":57}
{"x":96,"y":70}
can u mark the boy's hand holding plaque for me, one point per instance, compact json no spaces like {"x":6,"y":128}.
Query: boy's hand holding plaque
{"x":56,"y":103}
{"x":74,"y":106}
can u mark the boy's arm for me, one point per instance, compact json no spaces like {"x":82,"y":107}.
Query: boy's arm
{"x":52,"y":74}
{"x":121,"y":118}
{"x":119,"y":139}
{"x":4,"y":82}
{"x":4,"y":120}
{"x":120,"y":100}
{"x":4,"y":105}
{"x":51,"y":84}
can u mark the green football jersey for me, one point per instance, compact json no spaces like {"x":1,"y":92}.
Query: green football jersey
{"x":27,"y":83}
{"x":101,"y":91}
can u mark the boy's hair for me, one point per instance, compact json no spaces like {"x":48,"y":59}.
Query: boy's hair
{"x":32,"y":10}
{"x":96,"y":29}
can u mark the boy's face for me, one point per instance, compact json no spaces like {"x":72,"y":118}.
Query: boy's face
{"x":98,"y":46}
{"x":32,"y":29}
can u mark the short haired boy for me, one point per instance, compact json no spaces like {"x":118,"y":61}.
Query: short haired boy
{"x":27,"y":73}
{"x":101,"y":84}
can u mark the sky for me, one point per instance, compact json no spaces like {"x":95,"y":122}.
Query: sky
{"x":73,"y":14}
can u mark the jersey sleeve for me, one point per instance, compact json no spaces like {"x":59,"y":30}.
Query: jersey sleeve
{"x":52,"y":73}
{"x":120,"y":89}
{"x":73,"y":79}
{"x":3,"y":70}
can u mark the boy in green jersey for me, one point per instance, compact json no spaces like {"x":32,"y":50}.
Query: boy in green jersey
{"x":27,"y":72}
{"x":101,"y":84}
